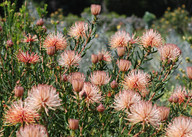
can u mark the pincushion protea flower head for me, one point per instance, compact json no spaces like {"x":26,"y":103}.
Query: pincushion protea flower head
{"x":170,"y":52}
{"x":91,"y":93}
{"x":32,"y":131}
{"x":144,"y":112}
{"x":78,"y":30}
{"x":29,"y":38}
{"x":43,"y":96}
{"x":126,"y":98}
{"x":189,"y":72}
{"x":123,"y":65}
{"x":75,"y":76}
{"x":136,"y":80}
{"x":164,"y":112}
{"x":69,"y":58}
{"x":20,"y":112}
{"x":25,"y":57}
{"x":95,"y":9}
{"x":178,"y":95}
{"x":151,"y":38}
{"x":58,"y":41}
{"x":106,"y":56}
{"x":99,"y":78}
{"x":119,"y":39}
{"x":180,"y":127}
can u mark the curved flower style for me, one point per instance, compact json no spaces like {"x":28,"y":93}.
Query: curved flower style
{"x":69,"y":58}
{"x":43,"y":96}
{"x":78,"y":30}
{"x":120,"y":39}
{"x":99,"y":78}
{"x":136,"y":80}
{"x":180,"y":127}
{"x":58,"y":41}
{"x":91,"y":93}
{"x":32,"y":131}
{"x":20,"y":112}
{"x":144,"y":112}
{"x":25,"y":57}
{"x":123,"y":100}
{"x":170,"y":52}
{"x":151,"y":38}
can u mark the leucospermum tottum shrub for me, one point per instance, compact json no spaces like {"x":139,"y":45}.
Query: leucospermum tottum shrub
{"x":43,"y":93}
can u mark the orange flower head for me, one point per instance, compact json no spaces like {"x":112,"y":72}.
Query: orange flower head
{"x":164,"y":112}
{"x":178,"y":95}
{"x":151,"y":38}
{"x":95,"y":9}
{"x":43,"y":96}
{"x":125,"y":99}
{"x":189,"y":72}
{"x":100,"y":78}
{"x":106,"y":56}
{"x":69,"y":58}
{"x":29,"y":38}
{"x":20,"y":112}
{"x":180,"y":127}
{"x":123,"y":65}
{"x":76,"y":76}
{"x":120,"y":39}
{"x":144,"y":112}
{"x":32,"y":131}
{"x":170,"y":52}
{"x":136,"y":80}
{"x":91,"y":93}
{"x":57,"y":41}
{"x":25,"y":57}
{"x":78,"y":30}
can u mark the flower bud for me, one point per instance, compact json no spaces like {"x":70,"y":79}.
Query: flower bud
{"x":109,"y":94}
{"x":100,"y":56}
{"x":114,"y":84}
{"x":189,"y":72}
{"x":51,"y":51}
{"x":1,"y":28}
{"x":77,"y":85}
{"x":73,"y":124}
{"x":94,"y":58}
{"x":121,"y":51}
{"x":18,"y":91}
{"x":9,"y":43}
{"x":100,"y":108}
{"x":40,"y":22}
{"x":64,"y":77}
{"x":95,"y":9}
{"x":44,"y":28}
{"x":123,"y":65}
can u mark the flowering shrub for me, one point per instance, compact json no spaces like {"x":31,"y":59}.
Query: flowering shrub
{"x":43,"y":93}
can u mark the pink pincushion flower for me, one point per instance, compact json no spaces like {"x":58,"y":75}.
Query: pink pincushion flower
{"x":151,"y":38}
{"x":25,"y":57}
{"x":180,"y":127}
{"x":69,"y":58}
{"x":120,"y":39}
{"x":123,"y":100}
{"x":144,"y":112}
{"x":32,"y":131}
{"x":20,"y":112}
{"x":100,"y":78}
{"x":58,"y":41}
{"x":136,"y":80}
{"x":29,"y":38}
{"x":78,"y":30}
{"x":43,"y":96}
{"x":91,"y":93}
{"x":170,"y":52}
